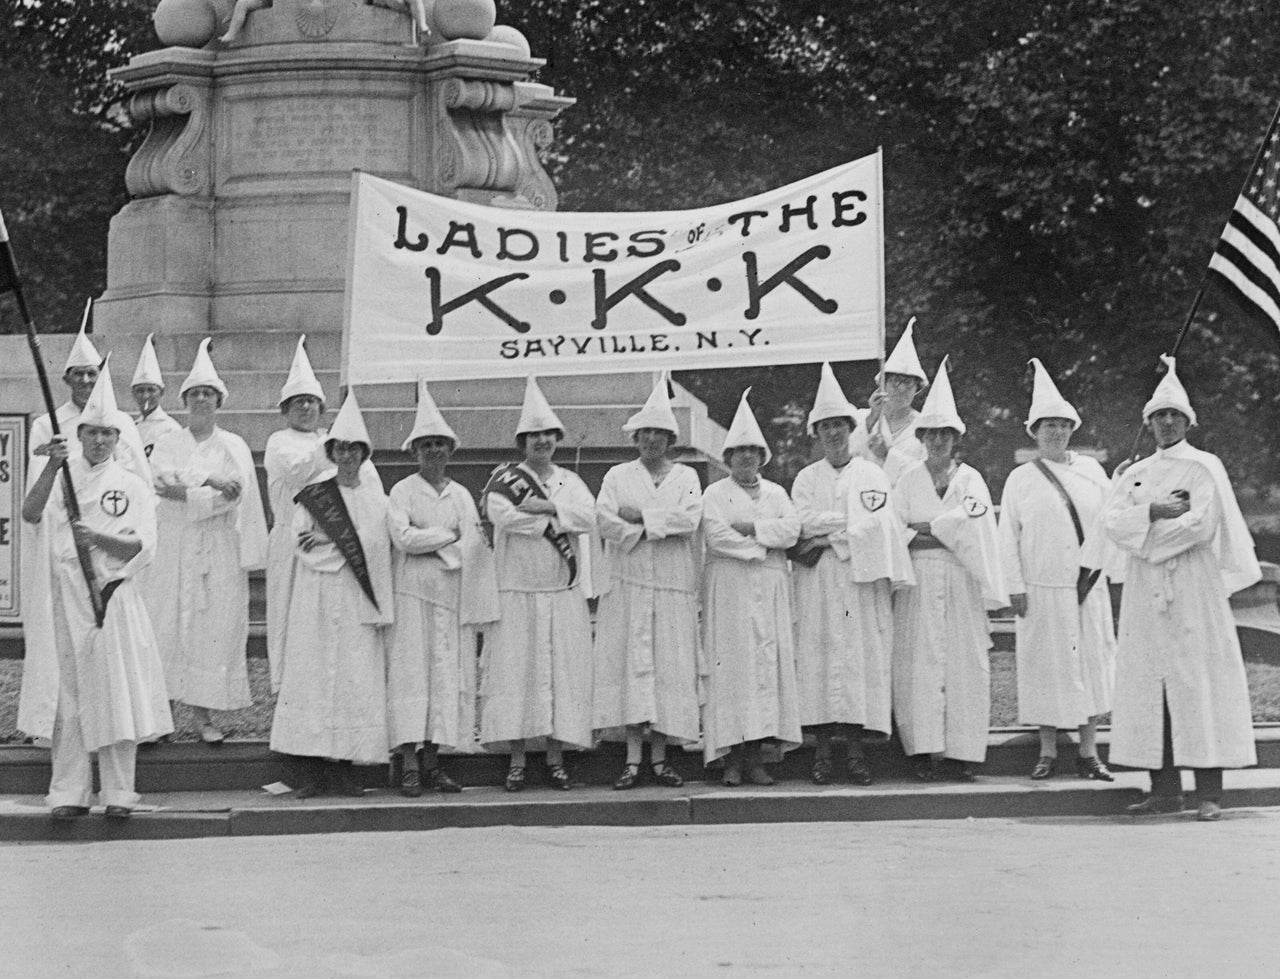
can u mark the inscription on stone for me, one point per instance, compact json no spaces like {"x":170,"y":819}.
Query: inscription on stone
{"x":275,"y":139}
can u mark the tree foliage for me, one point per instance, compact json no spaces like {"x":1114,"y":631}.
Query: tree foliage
{"x":1056,"y":174}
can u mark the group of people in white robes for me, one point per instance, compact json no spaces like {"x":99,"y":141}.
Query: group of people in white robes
{"x":741,"y":618}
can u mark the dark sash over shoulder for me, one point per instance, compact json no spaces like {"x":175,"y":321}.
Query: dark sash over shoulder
{"x":1085,"y":578}
{"x":324,"y":502}
{"x":515,"y":484}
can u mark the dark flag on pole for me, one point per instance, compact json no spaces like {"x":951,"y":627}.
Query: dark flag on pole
{"x":8,"y":267}
{"x":1247,"y":258}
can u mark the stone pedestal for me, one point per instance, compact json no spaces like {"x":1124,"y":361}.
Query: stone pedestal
{"x":238,"y":224}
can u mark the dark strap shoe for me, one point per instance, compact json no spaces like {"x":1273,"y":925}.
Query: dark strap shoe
{"x":1092,"y":768}
{"x":667,"y":776}
{"x":1044,"y":768}
{"x":558,"y":778}
{"x":439,"y":780}
{"x":629,"y":778}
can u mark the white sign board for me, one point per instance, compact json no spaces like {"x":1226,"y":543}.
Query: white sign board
{"x":13,"y":455}
{"x":446,"y":290}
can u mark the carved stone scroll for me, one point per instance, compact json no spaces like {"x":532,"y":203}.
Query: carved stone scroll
{"x":174,"y":158}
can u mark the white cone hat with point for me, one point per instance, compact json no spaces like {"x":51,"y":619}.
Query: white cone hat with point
{"x":101,"y":409}
{"x":148,"y":369}
{"x":1047,"y":401}
{"x":349,"y":425}
{"x":536,"y":414}
{"x":428,"y":420}
{"x":939,"y":409}
{"x":745,"y":430}
{"x":830,"y":401}
{"x":203,"y":373}
{"x":1169,"y":393}
{"x":904,"y":359}
{"x":301,"y":379}
{"x":83,"y":353}
{"x":656,"y":412}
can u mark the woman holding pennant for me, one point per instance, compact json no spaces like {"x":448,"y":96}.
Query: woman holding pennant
{"x":748,"y":523}
{"x":332,"y":707}
{"x":648,"y":661}
{"x":445,"y":591}
{"x":536,"y":687}
{"x":1066,"y":648}
{"x":850,"y":558}
{"x":212,"y":534}
{"x":941,"y":639}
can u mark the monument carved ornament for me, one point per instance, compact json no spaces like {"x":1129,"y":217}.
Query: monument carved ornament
{"x":174,"y":157}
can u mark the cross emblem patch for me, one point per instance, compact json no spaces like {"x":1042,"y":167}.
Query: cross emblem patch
{"x":114,"y":503}
{"x":873,"y":500}
{"x":974,"y":506}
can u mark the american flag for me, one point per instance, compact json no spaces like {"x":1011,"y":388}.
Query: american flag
{"x":1247,"y":259}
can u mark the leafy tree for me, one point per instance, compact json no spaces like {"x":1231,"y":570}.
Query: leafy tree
{"x":1056,"y":174}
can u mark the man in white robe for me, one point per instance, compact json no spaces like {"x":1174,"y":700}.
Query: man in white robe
{"x":886,"y":434}
{"x":89,"y":688}
{"x":843,"y":611}
{"x":1182,"y":697}
{"x":147,"y":389}
{"x":537,"y":676}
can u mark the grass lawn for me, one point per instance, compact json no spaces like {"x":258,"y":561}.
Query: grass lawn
{"x":254,"y":723}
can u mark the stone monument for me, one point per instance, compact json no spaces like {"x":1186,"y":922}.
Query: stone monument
{"x":255,"y":116}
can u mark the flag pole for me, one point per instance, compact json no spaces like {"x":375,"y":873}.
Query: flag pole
{"x":9,"y":269}
{"x":1204,"y":276}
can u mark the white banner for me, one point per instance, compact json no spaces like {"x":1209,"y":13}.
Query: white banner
{"x":446,"y":290}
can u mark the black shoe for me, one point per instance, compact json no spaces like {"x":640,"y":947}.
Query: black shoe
{"x":1155,"y":805}
{"x":954,"y":770}
{"x":860,"y":771}
{"x":344,"y":780}
{"x":629,"y":778}
{"x":64,"y":814}
{"x":411,"y":784}
{"x":923,"y":770}
{"x":1094,"y":769}
{"x":309,"y":789}
{"x":515,"y":779}
{"x":821,"y":774}
{"x":438,"y":779}
{"x":1044,"y":768}
{"x":558,"y":778}
{"x":665,"y":775}
{"x":118,"y":812}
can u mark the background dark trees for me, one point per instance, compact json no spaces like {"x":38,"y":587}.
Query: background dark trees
{"x":1056,"y":175}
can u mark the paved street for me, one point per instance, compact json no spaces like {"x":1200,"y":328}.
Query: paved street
{"x":994,"y":897}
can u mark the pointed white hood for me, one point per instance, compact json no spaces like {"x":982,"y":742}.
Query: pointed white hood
{"x":301,"y":379}
{"x":656,"y":412}
{"x":203,"y":373}
{"x":939,"y":409}
{"x":148,"y":369}
{"x":536,"y":414}
{"x":428,"y":420}
{"x":904,"y":359}
{"x":349,"y":425}
{"x":101,"y":408}
{"x":1047,"y":401}
{"x":1169,"y":393}
{"x":83,"y":353}
{"x":830,"y":401}
{"x":745,"y":430}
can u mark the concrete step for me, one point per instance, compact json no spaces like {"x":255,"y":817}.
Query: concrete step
{"x":246,"y":813}
{"x":248,"y":765}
